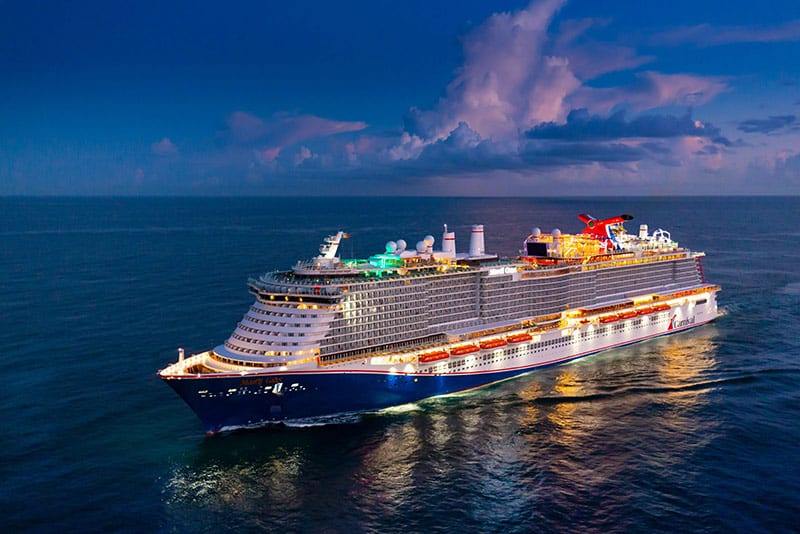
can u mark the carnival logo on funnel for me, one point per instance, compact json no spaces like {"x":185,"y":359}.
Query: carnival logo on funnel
{"x":673,"y":324}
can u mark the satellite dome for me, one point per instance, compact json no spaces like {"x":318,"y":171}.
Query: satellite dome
{"x":556,"y":232}
{"x":401,"y":245}
{"x":429,"y":240}
{"x":536,"y":232}
{"x":391,"y":246}
{"x":422,"y":246}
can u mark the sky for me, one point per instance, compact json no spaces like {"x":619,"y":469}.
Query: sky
{"x":457,"y":98}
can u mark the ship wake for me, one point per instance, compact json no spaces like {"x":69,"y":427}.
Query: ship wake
{"x":700,"y":386}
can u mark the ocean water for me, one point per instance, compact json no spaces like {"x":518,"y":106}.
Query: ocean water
{"x":696,"y":432}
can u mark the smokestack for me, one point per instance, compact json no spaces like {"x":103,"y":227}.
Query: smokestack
{"x":476,"y":241}
{"x":448,"y":243}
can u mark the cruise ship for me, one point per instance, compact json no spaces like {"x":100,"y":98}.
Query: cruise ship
{"x":334,"y":336}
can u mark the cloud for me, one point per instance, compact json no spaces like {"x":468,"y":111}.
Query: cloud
{"x":582,"y":126}
{"x":704,"y":35}
{"x":165,"y":147}
{"x":282,"y":130}
{"x":463,"y":153}
{"x":303,"y":154}
{"x":656,"y":147}
{"x":507,"y":81}
{"x":244,"y":127}
{"x":651,"y":90}
{"x":267,"y":155}
{"x":567,"y":154}
{"x":516,"y":74}
{"x":513,"y":105}
{"x":767,"y":126}
{"x":789,"y":165}
{"x":589,"y":57}
{"x":520,"y":104}
{"x":708,"y":150}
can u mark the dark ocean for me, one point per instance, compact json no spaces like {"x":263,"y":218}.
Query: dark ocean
{"x":696,"y":432}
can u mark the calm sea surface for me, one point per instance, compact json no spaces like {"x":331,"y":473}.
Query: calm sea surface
{"x":693,"y":432}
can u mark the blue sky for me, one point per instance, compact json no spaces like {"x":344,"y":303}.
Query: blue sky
{"x":545,"y":98}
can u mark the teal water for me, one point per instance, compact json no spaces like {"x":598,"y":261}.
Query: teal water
{"x":692,"y":432}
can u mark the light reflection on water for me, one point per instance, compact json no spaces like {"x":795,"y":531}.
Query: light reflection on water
{"x":242,"y":486}
{"x":386,"y":471}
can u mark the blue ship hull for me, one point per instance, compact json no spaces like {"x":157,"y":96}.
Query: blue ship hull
{"x":231,"y":401}
{"x":236,"y":401}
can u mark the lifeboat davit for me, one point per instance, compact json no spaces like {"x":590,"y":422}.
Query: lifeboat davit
{"x":519,"y":338}
{"x":429,"y":357}
{"x":461,"y":350}
{"x":493,"y":343}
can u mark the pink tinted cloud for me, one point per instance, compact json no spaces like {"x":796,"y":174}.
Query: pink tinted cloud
{"x":366,"y":144}
{"x":244,"y":127}
{"x":651,"y":90}
{"x":590,"y":58}
{"x":301,"y":127}
{"x":268,"y":154}
{"x":165,"y":147}
{"x":507,"y":80}
{"x":708,"y":35}
{"x":518,"y":73}
{"x":282,"y":130}
{"x":268,"y":139}
{"x":303,"y":154}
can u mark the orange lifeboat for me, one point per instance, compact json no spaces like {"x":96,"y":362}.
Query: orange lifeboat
{"x":663,"y":307}
{"x":609,"y":319}
{"x":519,"y":338}
{"x":461,"y":350}
{"x":493,"y":343}
{"x":628,"y":314}
{"x":646,"y":311}
{"x":435,"y":356}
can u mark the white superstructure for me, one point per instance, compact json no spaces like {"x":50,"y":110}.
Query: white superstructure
{"x":401,"y":304}
{"x":333,"y":336}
